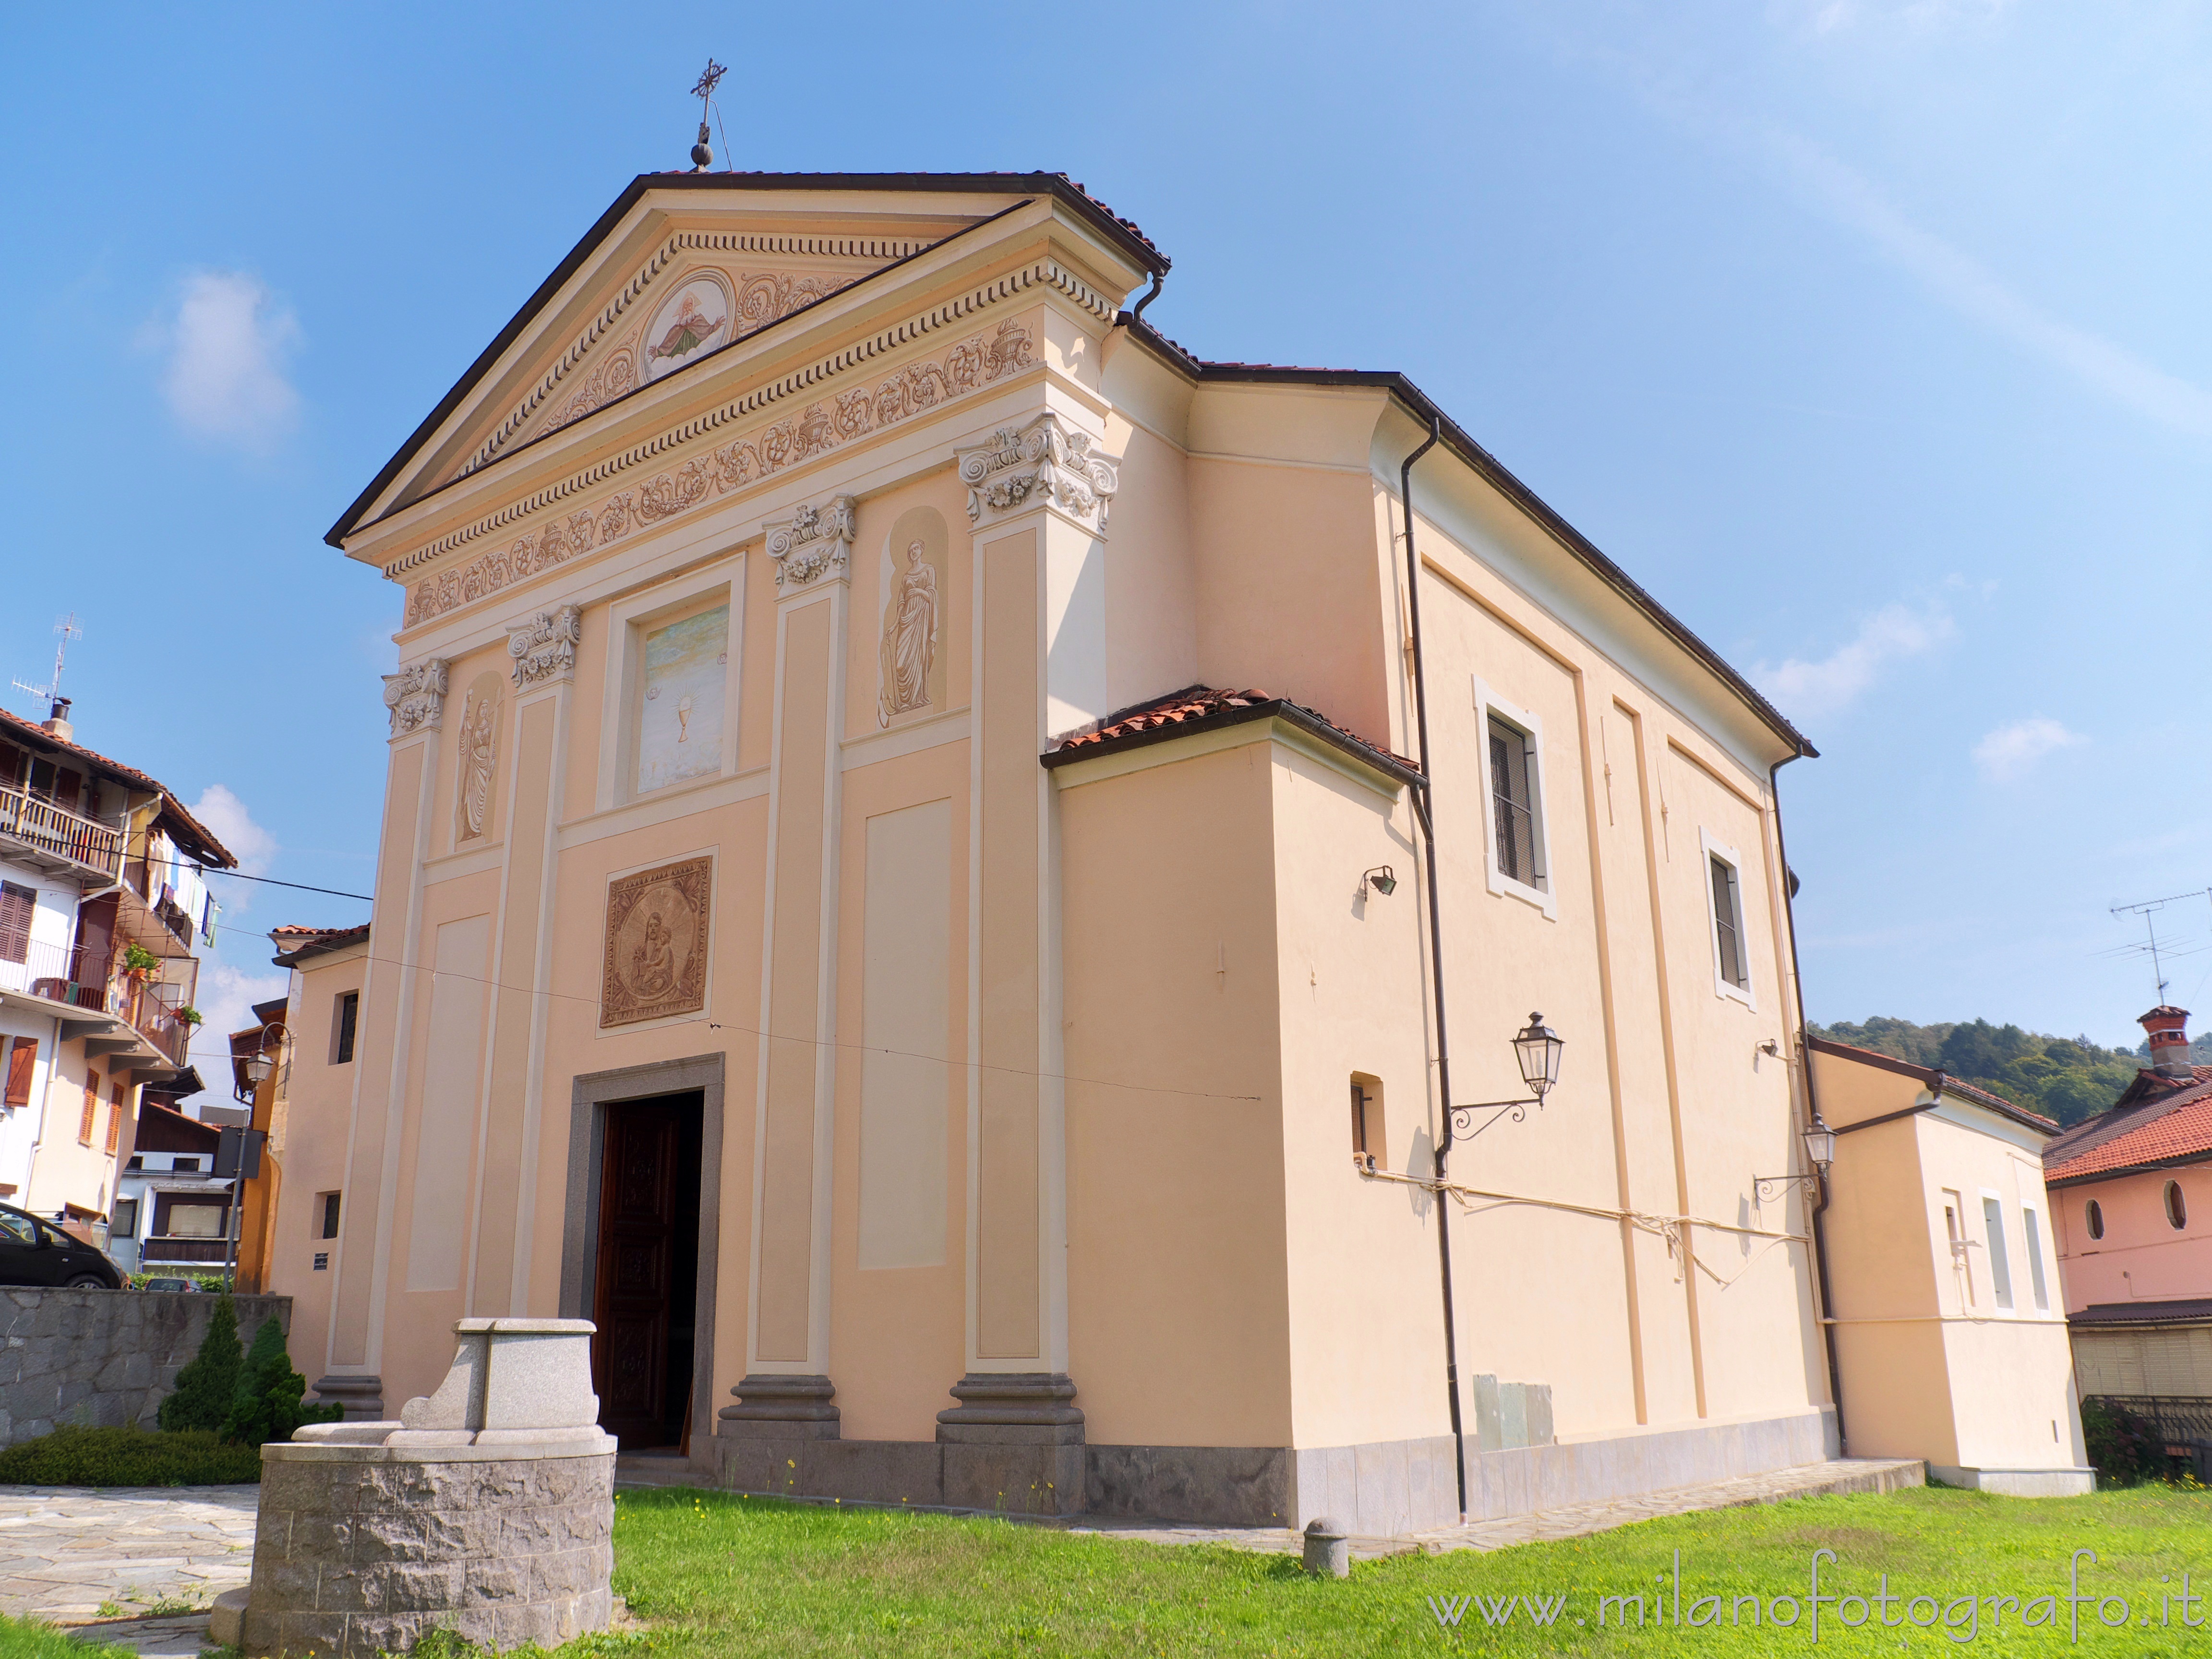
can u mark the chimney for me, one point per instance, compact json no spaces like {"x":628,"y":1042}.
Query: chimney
{"x":2169,"y":1041}
{"x":56,"y":724}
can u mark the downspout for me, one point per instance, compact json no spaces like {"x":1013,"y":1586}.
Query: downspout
{"x":1159,"y":282}
{"x":1812,"y":1108}
{"x":1424,"y":808}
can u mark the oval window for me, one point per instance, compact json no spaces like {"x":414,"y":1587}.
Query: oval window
{"x":2096,"y":1214}
{"x":2177,"y":1212}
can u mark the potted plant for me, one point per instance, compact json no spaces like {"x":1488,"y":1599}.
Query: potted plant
{"x":191,"y":1016}
{"x":139,"y":962}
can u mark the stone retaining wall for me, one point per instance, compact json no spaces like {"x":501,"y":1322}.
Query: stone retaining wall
{"x":103,"y":1358}
{"x":363,"y":1550}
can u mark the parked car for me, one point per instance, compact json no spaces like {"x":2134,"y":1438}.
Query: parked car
{"x":166,"y":1283}
{"x":35,"y":1252}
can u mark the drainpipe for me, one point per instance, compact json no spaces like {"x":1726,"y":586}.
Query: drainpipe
{"x":1812,"y":1109}
{"x":1423,"y":809}
{"x":1159,"y":282}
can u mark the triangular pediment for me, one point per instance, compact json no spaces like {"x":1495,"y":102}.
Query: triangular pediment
{"x":680,"y":269}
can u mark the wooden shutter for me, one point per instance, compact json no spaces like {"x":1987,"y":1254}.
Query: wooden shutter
{"x":91,"y":1107}
{"x":116,"y":1093}
{"x":16,"y":906}
{"x":22,"y":1060}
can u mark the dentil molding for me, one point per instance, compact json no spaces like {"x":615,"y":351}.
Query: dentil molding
{"x":813,"y":543}
{"x":1044,"y":463}
{"x":417,"y":696}
{"x":545,"y":647}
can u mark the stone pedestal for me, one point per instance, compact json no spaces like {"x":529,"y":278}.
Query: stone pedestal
{"x":1014,"y":1442}
{"x":487,"y":1510}
{"x":781,"y":1408}
{"x":362,"y":1397}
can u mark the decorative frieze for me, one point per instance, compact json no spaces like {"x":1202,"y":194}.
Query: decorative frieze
{"x":979,"y":360}
{"x":813,"y":541}
{"x":545,"y":647}
{"x":1045,"y":463}
{"x":417,"y":696}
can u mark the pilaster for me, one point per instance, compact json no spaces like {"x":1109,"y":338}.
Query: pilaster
{"x":786,"y":1339}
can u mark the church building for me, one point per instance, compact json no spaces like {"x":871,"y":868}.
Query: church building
{"x":941,"y":853}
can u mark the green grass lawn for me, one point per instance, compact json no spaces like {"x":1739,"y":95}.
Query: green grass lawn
{"x":720,"y":1575}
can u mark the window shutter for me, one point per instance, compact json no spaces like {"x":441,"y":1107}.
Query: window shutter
{"x":115,"y":1092}
{"x":17,"y":905}
{"x":22,"y":1060}
{"x":91,"y":1107}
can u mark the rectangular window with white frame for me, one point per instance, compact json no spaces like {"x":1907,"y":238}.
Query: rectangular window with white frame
{"x":1723,"y":880}
{"x":2000,"y":1260}
{"x":2031,"y":1224}
{"x":1517,"y":857}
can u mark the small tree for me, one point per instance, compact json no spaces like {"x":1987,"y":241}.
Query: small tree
{"x":206,"y":1385}
{"x":266,"y":1405}
{"x":2123,"y":1447}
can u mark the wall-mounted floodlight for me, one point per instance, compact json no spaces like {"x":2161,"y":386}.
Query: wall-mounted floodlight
{"x":1379,"y":879}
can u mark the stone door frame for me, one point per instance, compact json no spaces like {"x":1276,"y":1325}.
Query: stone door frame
{"x":590,"y":1094}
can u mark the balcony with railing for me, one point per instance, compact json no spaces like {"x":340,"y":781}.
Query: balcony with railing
{"x":148,"y":1002}
{"x":33,"y":826}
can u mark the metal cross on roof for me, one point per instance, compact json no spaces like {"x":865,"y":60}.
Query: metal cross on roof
{"x":703,"y":154}
{"x":709,"y":79}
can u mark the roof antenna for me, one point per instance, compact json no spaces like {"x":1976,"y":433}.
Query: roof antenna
{"x":50,"y":692}
{"x":702,"y":153}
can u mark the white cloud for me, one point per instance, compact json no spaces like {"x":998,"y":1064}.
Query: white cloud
{"x":2010,"y":750}
{"x":227,"y":344}
{"x":1893,"y":632}
{"x":1969,"y":288}
{"x":226,"y":999}
{"x":225,"y":817}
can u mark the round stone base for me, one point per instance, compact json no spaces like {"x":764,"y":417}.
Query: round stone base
{"x":365,"y":1549}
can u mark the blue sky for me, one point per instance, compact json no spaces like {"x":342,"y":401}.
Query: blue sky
{"x":1869,"y":334}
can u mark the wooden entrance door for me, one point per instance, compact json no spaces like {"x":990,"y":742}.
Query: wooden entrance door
{"x":638,"y":1216}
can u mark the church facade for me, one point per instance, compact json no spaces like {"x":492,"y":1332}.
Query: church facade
{"x":906,"y":896}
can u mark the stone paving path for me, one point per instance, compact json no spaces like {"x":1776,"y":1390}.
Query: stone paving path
{"x":1851,"y":1474}
{"x":66,"y":1551}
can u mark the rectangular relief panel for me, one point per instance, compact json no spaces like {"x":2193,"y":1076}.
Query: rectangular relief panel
{"x":452,"y":1075}
{"x":906,"y":953}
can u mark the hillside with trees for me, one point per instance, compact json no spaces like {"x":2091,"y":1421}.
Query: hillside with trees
{"x":2067,"y":1078}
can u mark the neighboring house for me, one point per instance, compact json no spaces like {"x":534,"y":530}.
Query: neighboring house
{"x":1949,"y":1325}
{"x":260,"y":1060}
{"x":866,"y":680}
{"x":312,"y":1103}
{"x":2134,"y":1191}
{"x":102,"y":907}
{"x":172,"y":1214}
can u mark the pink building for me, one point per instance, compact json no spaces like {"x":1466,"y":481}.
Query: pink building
{"x":2131,"y":1197}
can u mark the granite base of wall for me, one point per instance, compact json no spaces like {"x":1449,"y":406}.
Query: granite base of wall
{"x":1009,"y":1480}
{"x":104,"y":1358}
{"x":363,"y":1550}
{"x":1378,"y":1490}
{"x":1529,"y":1478}
{"x":2019,"y":1483}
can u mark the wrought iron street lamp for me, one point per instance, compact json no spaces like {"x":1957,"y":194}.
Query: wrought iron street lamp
{"x":1536,"y":1048}
{"x":1819,"y":1152}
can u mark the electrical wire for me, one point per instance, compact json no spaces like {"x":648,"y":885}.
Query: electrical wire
{"x":271,"y":881}
{"x":857,"y":1048}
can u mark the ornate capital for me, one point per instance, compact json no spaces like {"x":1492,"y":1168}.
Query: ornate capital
{"x":811,"y":544}
{"x":545,"y":647}
{"x":417,"y":696}
{"x":1044,"y":463}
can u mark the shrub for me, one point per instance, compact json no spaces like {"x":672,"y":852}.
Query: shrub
{"x":205,"y":1387}
{"x":128,"y":1457}
{"x":2124,"y":1448}
{"x":266,"y":1405}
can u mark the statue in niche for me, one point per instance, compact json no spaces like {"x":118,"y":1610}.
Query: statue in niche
{"x":909,"y":647}
{"x":479,"y":749}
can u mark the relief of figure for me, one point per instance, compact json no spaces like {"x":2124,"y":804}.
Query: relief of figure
{"x":479,"y":748}
{"x":653,"y":963}
{"x":691,"y":330}
{"x":909,"y":647}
